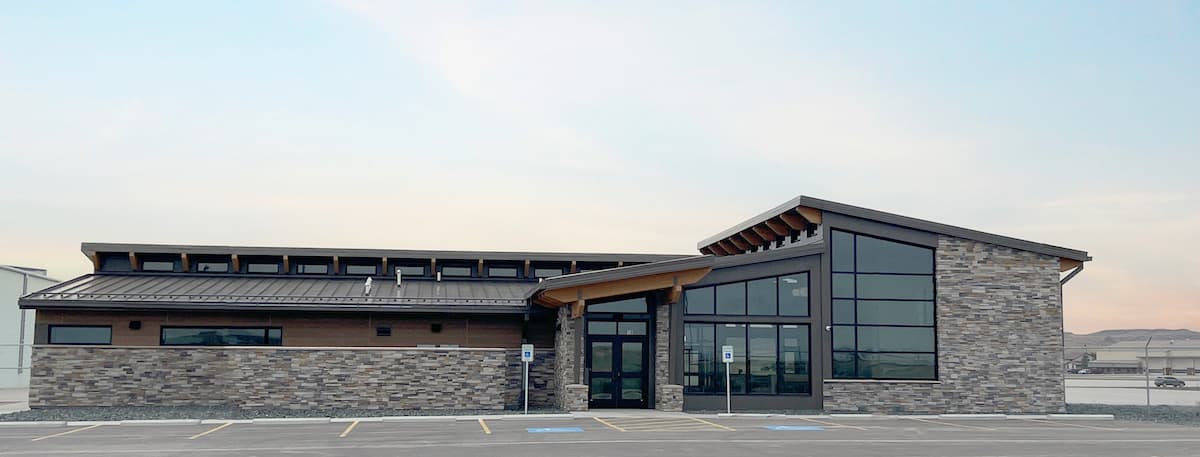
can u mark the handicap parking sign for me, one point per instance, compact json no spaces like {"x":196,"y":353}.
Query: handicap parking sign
{"x":726,"y":354}
{"x":526,"y":352}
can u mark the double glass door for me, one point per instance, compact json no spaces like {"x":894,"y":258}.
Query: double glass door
{"x":617,"y":371}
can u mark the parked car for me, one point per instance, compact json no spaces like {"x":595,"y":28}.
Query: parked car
{"x":1083,"y":371}
{"x":1169,"y":381}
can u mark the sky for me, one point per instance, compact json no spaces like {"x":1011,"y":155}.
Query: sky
{"x":607,"y":127}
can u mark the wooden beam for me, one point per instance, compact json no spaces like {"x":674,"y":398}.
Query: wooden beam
{"x":577,"y":308}
{"x":751,"y":238}
{"x":729,"y":248}
{"x":675,"y":294}
{"x":625,"y":286}
{"x":706,"y":251}
{"x":717,"y":250}
{"x":527,"y":274}
{"x":778,"y":227}
{"x":480,"y":268}
{"x":433,"y":266}
{"x":812,"y":215}
{"x":764,"y":232}
{"x":574,"y":267}
{"x":95,"y":260}
{"x":237,"y":266}
{"x":184,"y":258}
{"x":133,"y":263}
{"x":794,"y":221}
{"x":740,"y":243}
{"x":287,"y":265}
{"x":385,"y":267}
{"x":1068,"y":264}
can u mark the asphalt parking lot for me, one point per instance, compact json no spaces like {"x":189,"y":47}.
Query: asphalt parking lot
{"x":624,"y":436}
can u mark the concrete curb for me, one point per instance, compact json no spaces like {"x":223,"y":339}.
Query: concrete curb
{"x":28,"y":423}
{"x":77,"y":423}
{"x":418,"y":418}
{"x":223,"y":421}
{"x":293,"y":420}
{"x":162,"y":422}
{"x":343,"y":420}
{"x":964,"y":417}
{"x":1082,"y":417}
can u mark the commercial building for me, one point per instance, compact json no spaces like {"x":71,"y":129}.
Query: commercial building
{"x":16,"y":325}
{"x":1168,"y":357}
{"x":827,"y":306}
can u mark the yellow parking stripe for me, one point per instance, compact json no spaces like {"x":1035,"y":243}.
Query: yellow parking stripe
{"x":68,"y":432}
{"x":602,"y":421}
{"x":210,"y":431}
{"x":951,"y":424}
{"x":486,"y":429}
{"x":832,"y":424}
{"x":348,"y":429}
{"x":697,"y":419}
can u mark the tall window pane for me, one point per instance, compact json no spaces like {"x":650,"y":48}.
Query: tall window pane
{"x":893,"y":286}
{"x":793,"y":359}
{"x":843,"y":285}
{"x":731,"y":298}
{"x":762,"y":358}
{"x":698,"y":301}
{"x":760,"y":297}
{"x":894,"y":312}
{"x":895,"y":339}
{"x":734,"y":335}
{"x":699,"y":358}
{"x":843,"y":311}
{"x":843,"y":251}
{"x":882,"y":256}
{"x":793,"y":295}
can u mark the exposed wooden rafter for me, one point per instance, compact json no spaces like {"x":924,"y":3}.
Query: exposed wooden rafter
{"x":812,"y":215}
{"x":237,"y":264}
{"x":764,"y":232}
{"x":133,"y":263}
{"x":730,"y":248}
{"x":794,"y":221}
{"x":741,"y":244}
{"x":777,"y":226}
{"x":751,"y":237}
{"x":717,"y":250}
{"x":184,"y":258}
{"x":1068,"y":264}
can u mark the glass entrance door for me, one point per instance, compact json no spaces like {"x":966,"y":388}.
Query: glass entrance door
{"x":617,"y":371}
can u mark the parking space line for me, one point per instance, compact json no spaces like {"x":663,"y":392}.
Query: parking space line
{"x":348,"y":429}
{"x":210,"y":431}
{"x":602,"y":421}
{"x":714,"y":424}
{"x":68,"y":432}
{"x":950,"y":424}
{"x":831,"y":424}
{"x":1076,"y":425}
{"x":652,"y":422}
{"x":486,"y":429}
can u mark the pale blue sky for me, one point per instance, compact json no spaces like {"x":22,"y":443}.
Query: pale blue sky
{"x":606,"y":126}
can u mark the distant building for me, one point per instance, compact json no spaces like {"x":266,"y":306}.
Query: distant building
{"x":1170,"y":357}
{"x":16,"y":282}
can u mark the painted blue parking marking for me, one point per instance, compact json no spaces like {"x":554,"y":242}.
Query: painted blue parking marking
{"x":795,"y":427}
{"x":555,"y":430}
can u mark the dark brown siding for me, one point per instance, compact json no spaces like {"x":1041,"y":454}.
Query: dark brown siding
{"x":306,"y":329}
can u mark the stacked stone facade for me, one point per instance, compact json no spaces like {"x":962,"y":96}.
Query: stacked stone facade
{"x":999,"y":339}
{"x":297,"y":378}
{"x":541,"y":379}
{"x":568,"y":365}
{"x":665,"y":396}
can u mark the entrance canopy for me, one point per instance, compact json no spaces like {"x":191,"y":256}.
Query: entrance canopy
{"x":577,"y":289}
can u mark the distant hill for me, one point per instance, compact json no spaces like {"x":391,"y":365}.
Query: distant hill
{"x":1108,"y":337}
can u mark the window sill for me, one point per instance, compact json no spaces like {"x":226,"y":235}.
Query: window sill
{"x":884,"y":381}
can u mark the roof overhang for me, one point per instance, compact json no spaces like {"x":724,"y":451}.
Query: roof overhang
{"x":578,"y":288}
{"x":803,"y":212}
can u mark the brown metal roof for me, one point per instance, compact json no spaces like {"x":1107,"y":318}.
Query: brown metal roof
{"x":242,"y":292}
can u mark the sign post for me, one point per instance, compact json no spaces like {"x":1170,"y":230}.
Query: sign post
{"x":727,"y":357}
{"x":526,"y":357}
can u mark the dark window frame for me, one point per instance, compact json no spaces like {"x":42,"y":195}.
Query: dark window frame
{"x":374,"y":269}
{"x":718,"y":365}
{"x":855,"y":299}
{"x":50,"y":334}
{"x":515,"y":268}
{"x":266,"y":334}
{"x":746,"y":297}
{"x":424,"y":270}
{"x":471,"y":273}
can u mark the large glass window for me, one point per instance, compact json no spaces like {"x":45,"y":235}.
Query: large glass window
{"x":883,"y":309}
{"x":773,"y":296}
{"x":221,"y":336}
{"x":212,"y":267}
{"x":80,"y":334}
{"x":361,"y":269}
{"x":768,"y":358}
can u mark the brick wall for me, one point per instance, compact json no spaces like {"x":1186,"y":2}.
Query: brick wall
{"x":999,"y":339}
{"x":298,"y":378}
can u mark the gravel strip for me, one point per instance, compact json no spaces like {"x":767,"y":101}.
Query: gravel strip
{"x":200,"y":412}
{"x":1182,"y":415}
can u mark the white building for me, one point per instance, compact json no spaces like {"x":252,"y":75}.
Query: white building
{"x":1171,"y":357}
{"x":16,"y":282}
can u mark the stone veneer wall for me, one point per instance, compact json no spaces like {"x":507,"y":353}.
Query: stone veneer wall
{"x":566,"y":362}
{"x":257,"y":377}
{"x":999,"y":339}
{"x":665,"y":396}
{"x":541,"y":379}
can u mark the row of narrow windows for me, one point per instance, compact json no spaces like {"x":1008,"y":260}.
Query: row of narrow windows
{"x":121,"y":262}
